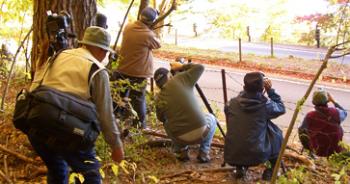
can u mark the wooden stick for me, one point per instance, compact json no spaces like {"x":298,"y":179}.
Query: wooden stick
{"x":221,"y":169}
{"x":154,"y":133}
{"x":20,"y":156}
{"x":5,"y":177}
{"x":297,"y":109}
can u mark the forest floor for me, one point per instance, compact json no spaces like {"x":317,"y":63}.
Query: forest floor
{"x":149,"y":158}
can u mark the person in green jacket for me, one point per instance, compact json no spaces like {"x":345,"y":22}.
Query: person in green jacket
{"x":183,"y":119}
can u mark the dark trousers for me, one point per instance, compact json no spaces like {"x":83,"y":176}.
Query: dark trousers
{"x":272,"y":162}
{"x":137,"y":96}
{"x":82,"y":162}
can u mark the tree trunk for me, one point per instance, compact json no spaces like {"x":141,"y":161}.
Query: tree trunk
{"x":81,"y":12}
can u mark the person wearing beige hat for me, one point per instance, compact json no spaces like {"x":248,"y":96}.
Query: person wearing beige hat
{"x":80,"y":72}
{"x":320,"y":131}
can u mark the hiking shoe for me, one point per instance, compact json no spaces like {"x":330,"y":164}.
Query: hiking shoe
{"x":241,"y":172}
{"x":182,"y":155}
{"x":203,"y":157}
{"x":267,"y":174}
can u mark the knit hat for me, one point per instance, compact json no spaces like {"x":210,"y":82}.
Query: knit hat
{"x":98,"y":37}
{"x":320,"y":97}
{"x":101,"y":20}
{"x":161,"y":76}
{"x":254,"y":82}
{"x":148,"y":15}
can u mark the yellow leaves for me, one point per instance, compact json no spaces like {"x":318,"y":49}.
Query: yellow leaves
{"x":115,"y":169}
{"x":74,"y":176}
{"x":102,"y":173}
{"x":153,"y":179}
{"x":123,"y":164}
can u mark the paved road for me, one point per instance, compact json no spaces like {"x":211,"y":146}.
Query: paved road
{"x":261,"y":49}
{"x":290,"y":90}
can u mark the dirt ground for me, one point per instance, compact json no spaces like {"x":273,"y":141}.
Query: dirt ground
{"x":20,"y":164}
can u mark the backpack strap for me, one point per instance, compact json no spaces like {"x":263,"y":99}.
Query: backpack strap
{"x":50,"y":61}
{"x":96,"y":67}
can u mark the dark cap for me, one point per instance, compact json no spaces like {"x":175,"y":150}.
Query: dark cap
{"x":254,"y":82}
{"x":161,"y":76}
{"x":148,"y":15}
{"x":101,"y":20}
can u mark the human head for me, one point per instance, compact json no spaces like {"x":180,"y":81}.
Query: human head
{"x":148,"y":15}
{"x":101,"y":20}
{"x":161,"y":76}
{"x":97,"y":38}
{"x":320,"y":97}
{"x":254,"y":82}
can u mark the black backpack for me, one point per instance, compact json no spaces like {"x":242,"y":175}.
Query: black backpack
{"x":62,"y":121}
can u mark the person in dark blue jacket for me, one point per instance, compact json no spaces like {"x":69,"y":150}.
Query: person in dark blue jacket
{"x":251,"y":137}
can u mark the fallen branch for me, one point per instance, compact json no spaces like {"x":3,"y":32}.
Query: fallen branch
{"x":2,"y":174}
{"x":221,"y":169}
{"x":154,"y":133}
{"x":309,"y":163}
{"x":39,"y":171}
{"x":20,"y":156}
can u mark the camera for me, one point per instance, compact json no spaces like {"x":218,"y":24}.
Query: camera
{"x":57,"y":29}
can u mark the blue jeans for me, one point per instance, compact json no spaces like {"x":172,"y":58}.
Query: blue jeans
{"x":205,"y":143}
{"x":83,"y":162}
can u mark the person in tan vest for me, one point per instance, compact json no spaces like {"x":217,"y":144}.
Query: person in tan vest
{"x":136,"y":64}
{"x":80,"y":72}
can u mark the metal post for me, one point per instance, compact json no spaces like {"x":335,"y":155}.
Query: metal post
{"x":240,"y":49}
{"x":224,"y":87}
{"x":210,"y":110}
{"x":175,"y":36}
{"x":271,"y":46}
{"x":248,"y":34}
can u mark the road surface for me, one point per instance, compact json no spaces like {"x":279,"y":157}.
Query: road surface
{"x":262,"y":49}
{"x":290,"y":90}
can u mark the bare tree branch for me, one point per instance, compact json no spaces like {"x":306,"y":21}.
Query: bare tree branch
{"x":11,"y":70}
{"x":300,"y":103}
{"x":161,"y":18}
{"x":20,"y":156}
{"x":342,"y":55}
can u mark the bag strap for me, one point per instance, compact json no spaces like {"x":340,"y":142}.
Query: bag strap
{"x":50,"y":62}
{"x":99,"y":65}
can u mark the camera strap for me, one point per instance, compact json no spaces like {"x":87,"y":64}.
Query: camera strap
{"x":50,"y":62}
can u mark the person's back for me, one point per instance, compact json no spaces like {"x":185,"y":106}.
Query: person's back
{"x":80,"y":72}
{"x":136,"y":50}
{"x":184,"y":121}
{"x":179,"y":103}
{"x":251,"y":137}
{"x":320,"y":131}
{"x":136,"y":61}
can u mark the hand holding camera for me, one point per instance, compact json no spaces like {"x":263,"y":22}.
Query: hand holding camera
{"x":176,"y":66}
{"x":267,"y":84}
{"x":330,"y":98}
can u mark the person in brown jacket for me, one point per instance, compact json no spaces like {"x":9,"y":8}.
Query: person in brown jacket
{"x":136,"y":64}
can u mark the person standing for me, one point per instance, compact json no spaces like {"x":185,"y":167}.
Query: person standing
{"x":251,"y":137}
{"x":80,"y":72}
{"x":320,"y":131}
{"x":183,"y":119}
{"x":136,"y":60}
